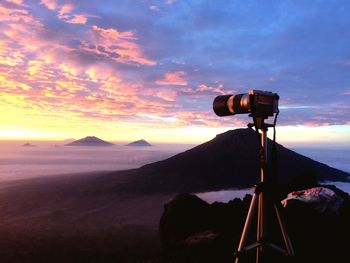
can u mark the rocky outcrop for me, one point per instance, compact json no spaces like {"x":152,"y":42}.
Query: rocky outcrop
{"x":191,"y":230}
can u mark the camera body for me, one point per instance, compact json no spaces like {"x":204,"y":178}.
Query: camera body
{"x":256,"y":102}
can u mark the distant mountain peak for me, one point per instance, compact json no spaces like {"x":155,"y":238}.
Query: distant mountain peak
{"x":90,"y":141}
{"x":28,"y":145}
{"x":141,"y":142}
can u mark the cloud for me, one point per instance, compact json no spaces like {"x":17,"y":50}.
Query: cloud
{"x":78,"y":19}
{"x":119,"y":61}
{"x":204,"y":90}
{"x":65,"y":12}
{"x":50,"y":4}
{"x":166,"y":94}
{"x":118,"y":46}
{"x":17,"y":2}
{"x":173,"y":78}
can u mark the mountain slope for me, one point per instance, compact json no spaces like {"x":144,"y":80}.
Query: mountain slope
{"x":229,"y":160}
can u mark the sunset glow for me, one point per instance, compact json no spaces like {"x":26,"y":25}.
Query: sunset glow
{"x":123,"y":70}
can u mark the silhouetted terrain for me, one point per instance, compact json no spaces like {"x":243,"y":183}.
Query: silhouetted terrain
{"x":114,"y":216}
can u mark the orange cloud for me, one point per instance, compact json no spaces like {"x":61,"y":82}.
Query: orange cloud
{"x":173,"y":78}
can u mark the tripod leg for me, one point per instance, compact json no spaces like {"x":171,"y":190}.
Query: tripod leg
{"x":285,"y":235}
{"x":247,"y":226}
{"x":260,"y":228}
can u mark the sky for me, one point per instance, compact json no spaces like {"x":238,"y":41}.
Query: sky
{"x":130,"y":69}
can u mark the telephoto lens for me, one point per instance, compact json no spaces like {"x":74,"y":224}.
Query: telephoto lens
{"x":226,"y":105}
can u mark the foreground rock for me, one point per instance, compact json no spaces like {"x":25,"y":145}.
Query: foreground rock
{"x":191,"y":230}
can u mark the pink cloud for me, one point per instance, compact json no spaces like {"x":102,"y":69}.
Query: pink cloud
{"x":118,"y":46}
{"x":50,"y":4}
{"x":109,"y":35}
{"x":205,"y":88}
{"x":173,"y":78}
{"x":65,"y":12}
{"x":77,"y":19}
{"x":42,"y":73}
{"x":166,"y":94}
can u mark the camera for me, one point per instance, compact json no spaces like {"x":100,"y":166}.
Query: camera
{"x":256,"y":102}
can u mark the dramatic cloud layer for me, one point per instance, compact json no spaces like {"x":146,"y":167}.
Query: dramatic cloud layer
{"x":158,"y":64}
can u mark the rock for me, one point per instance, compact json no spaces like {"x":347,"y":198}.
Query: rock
{"x":193,"y":231}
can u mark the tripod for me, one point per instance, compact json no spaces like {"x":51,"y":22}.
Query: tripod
{"x":261,"y":198}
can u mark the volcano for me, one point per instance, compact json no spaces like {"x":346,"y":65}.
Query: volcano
{"x":141,"y":143}
{"x":90,"y":141}
{"x":230,"y":160}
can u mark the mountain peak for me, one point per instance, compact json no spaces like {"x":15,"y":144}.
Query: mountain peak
{"x":28,"y":145}
{"x":141,"y":142}
{"x":90,"y":141}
